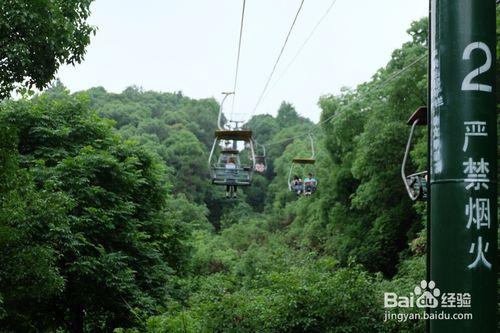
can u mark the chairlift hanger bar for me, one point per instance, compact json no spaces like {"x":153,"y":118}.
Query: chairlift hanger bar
{"x":238,"y":57}
{"x":219,"y":119}
{"x":418,"y":118}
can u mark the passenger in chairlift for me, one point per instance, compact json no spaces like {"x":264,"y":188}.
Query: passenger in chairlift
{"x":298,"y":185}
{"x":310,"y":184}
{"x":259,"y":167}
{"x":231,"y":165}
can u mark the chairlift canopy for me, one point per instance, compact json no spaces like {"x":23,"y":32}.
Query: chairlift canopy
{"x":238,"y":135}
{"x":420,"y":114}
{"x":304,"y":161}
{"x":230,"y":152}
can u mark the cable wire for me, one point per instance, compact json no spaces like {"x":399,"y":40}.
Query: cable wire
{"x":238,"y":58}
{"x":402,"y":70}
{"x":377,"y":87}
{"x":301,"y":48}
{"x":278,"y":59}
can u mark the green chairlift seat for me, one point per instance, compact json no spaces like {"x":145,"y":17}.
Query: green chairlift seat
{"x":240,"y":176}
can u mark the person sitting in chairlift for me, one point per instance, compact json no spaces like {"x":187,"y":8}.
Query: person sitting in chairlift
{"x":231,"y":165}
{"x":310,"y":184}
{"x":297,"y":185}
{"x":260,"y":167}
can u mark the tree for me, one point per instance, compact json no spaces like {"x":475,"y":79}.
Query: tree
{"x":37,"y":37}
{"x":188,"y":158}
{"x":287,"y":115}
{"x":120,"y":244}
{"x":264,"y":127}
{"x":32,"y":222}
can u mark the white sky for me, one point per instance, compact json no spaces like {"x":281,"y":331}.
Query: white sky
{"x":190,"y":45}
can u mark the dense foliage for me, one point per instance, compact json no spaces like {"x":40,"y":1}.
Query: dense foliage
{"x":101,"y":221}
{"x":36,"y":37}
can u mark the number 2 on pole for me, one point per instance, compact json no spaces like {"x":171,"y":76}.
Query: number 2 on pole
{"x":467,"y":84}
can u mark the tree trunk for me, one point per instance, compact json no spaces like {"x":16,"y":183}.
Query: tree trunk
{"x":76,"y":313}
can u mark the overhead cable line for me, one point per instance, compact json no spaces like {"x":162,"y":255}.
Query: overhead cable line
{"x":278,"y":59}
{"x":301,"y":48}
{"x":393,"y":76}
{"x":238,"y":58}
{"x":377,"y":87}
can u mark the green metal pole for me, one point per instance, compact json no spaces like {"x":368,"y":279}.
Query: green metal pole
{"x":429,"y":190}
{"x":463,"y":164}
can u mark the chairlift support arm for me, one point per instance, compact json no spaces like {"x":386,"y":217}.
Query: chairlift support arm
{"x":219,"y":119}
{"x":313,"y":152}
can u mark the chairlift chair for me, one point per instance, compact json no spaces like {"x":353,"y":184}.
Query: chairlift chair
{"x":301,"y":161}
{"x":242,"y":174}
{"x":219,"y":174}
{"x":260,"y":160}
{"x":416,"y":183}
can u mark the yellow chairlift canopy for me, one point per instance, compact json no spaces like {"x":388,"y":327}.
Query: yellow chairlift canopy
{"x":230,"y":151}
{"x":304,"y":161}
{"x":420,"y":114}
{"x":239,"y":135}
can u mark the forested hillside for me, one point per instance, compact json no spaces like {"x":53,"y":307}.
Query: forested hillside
{"x":108,"y":221}
{"x":320,"y":263}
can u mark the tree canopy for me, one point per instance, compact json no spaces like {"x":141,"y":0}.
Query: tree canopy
{"x":37,"y":37}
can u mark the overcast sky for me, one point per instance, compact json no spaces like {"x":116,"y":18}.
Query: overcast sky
{"x":191,"y":46}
